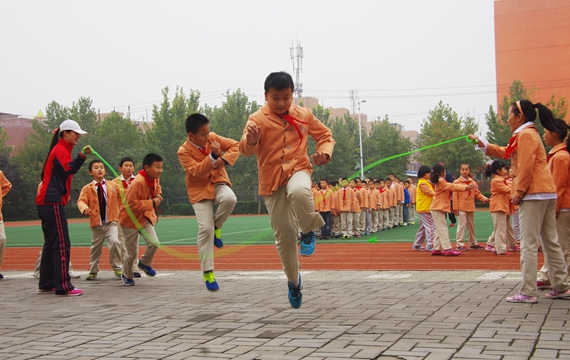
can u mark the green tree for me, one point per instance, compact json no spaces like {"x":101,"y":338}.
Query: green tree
{"x":168,"y":132}
{"x":443,"y":124}
{"x":499,"y":130}
{"x":383,"y":141}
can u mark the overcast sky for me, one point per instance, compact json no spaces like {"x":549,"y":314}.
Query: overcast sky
{"x":402,"y":56}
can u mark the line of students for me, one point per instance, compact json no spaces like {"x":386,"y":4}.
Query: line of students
{"x":363,"y":207}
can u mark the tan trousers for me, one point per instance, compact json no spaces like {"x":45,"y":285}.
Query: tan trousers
{"x":563,"y":231}
{"x":355,"y":223}
{"x":208,"y":220}
{"x":346,"y":223}
{"x":501,"y":235}
{"x":441,"y":240}
{"x":2,"y":241}
{"x":99,"y":233}
{"x":294,"y":200}
{"x":132,"y":244}
{"x":538,"y":220}
{"x":412,"y":213}
{"x":375,"y":217}
{"x":465,"y":221}
{"x":392,"y":217}
{"x":336,"y":224}
{"x":385,"y":218}
{"x":124,"y":248}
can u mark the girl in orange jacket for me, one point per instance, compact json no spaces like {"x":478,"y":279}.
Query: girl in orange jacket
{"x":441,"y":206}
{"x":500,"y":206}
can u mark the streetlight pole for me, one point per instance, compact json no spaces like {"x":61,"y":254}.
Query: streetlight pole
{"x":360,"y":136}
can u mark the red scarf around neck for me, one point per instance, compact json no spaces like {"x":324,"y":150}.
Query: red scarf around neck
{"x":293,"y":121}
{"x":150,"y":183}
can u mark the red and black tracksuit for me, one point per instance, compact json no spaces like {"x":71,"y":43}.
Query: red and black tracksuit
{"x":52,"y":196}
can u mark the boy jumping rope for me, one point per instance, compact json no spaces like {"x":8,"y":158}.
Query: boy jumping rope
{"x":204,"y":156}
{"x":278,"y":134}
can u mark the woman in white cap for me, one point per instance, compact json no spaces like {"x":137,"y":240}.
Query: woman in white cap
{"x":50,"y":201}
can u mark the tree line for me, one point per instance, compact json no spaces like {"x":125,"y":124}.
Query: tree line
{"x":116,"y":137}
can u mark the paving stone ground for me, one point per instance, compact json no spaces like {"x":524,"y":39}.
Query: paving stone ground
{"x":432,"y":315}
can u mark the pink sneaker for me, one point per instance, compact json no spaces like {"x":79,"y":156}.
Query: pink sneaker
{"x":520,"y":298}
{"x":490,"y":248}
{"x":516,"y":248}
{"x":558,"y":295}
{"x":451,"y":252}
{"x":74,"y":292}
{"x":437,"y":253}
{"x":540,"y":285}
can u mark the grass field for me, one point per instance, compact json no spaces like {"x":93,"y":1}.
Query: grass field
{"x":238,"y":230}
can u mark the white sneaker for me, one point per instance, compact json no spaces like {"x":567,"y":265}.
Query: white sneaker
{"x":74,"y":275}
{"x":36,"y":275}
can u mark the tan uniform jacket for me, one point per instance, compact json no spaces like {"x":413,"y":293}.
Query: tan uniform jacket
{"x":500,"y":195}
{"x":559,"y":165}
{"x":465,"y":201}
{"x":528,"y":163}
{"x":6,"y":186}
{"x":139,"y":201}
{"x":88,"y":198}
{"x":279,"y":155}
{"x":201,"y":176}
{"x":442,"y":197}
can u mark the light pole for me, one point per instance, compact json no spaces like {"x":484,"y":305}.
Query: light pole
{"x":360,"y":136}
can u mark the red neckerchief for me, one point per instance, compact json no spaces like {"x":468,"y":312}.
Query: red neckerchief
{"x":511,"y":147}
{"x":344,"y":194}
{"x":467,"y":182}
{"x":324,"y":197}
{"x":505,"y":182}
{"x":127,"y":182}
{"x":203,"y":150}
{"x":151,"y":184}
{"x":291,"y":120}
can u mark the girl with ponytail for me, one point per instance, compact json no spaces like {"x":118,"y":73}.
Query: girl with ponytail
{"x":559,"y":164}
{"x":533,"y":188}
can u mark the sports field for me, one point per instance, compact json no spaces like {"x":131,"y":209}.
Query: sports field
{"x":238,"y":230}
{"x":249,"y":245}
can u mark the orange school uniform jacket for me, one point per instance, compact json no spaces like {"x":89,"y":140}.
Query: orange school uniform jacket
{"x":323,"y":199}
{"x":5,"y":185}
{"x":559,"y":165}
{"x":345,"y":199}
{"x":465,"y":201}
{"x":88,"y":198}
{"x":375,"y":199}
{"x":442,"y":195}
{"x":528,"y":163}
{"x":280,"y":151}
{"x":500,"y":195}
{"x":139,"y":200}
{"x":201,"y":176}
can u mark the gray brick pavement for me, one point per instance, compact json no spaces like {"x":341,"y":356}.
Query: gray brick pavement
{"x":345,"y":315}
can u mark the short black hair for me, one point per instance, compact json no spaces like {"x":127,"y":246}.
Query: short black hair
{"x":423,"y":170}
{"x":279,"y":81}
{"x":196,"y":121}
{"x":125,"y":159}
{"x":150,"y":159}
{"x":96,"y":161}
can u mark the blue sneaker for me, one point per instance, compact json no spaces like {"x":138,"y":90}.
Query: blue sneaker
{"x":295,"y":296}
{"x":210,"y":281}
{"x":218,"y":238}
{"x":307,"y":243}
{"x":127,"y":281}
{"x":137,"y":274}
{"x":149,"y":271}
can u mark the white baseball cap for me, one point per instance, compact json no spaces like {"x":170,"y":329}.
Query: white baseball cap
{"x":71,"y":125}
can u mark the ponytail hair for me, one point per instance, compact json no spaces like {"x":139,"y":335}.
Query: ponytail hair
{"x":531,"y":111}
{"x":57,"y":134}
{"x":492,"y":169}
{"x":562,"y":131}
{"x":435,"y":173}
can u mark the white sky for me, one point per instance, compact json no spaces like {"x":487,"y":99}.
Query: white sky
{"x":402,"y":56}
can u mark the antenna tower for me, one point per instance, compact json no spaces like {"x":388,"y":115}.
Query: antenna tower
{"x":297,"y":67}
